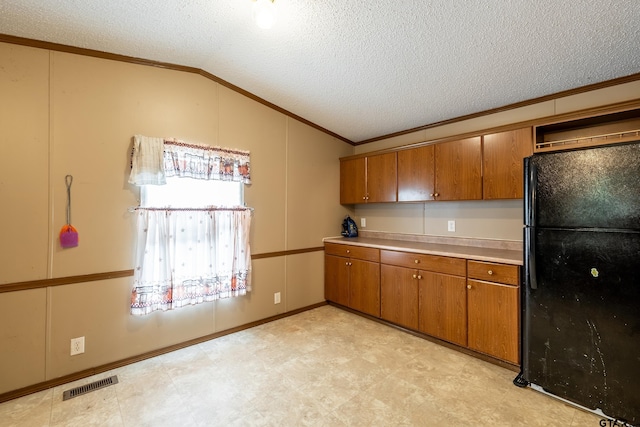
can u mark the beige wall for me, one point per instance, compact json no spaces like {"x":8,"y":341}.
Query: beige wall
{"x":499,"y":219}
{"x":68,"y":114}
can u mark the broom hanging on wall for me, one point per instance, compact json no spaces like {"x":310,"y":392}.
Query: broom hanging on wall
{"x":68,"y":234}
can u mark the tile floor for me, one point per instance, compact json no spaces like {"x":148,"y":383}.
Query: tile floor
{"x":323,"y":367}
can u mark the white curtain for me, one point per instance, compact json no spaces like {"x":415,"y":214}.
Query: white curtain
{"x":154,"y":159}
{"x":188,"y":256}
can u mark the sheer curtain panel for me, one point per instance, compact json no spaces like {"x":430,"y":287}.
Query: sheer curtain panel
{"x":187,"y":256}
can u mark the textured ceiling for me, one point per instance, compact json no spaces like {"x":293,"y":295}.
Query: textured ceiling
{"x":361,"y":69}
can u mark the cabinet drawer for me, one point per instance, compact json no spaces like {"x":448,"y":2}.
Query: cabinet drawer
{"x":358,"y":252}
{"x":494,"y":272}
{"x":438,"y":264}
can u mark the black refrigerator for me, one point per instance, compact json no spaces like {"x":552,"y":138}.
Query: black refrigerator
{"x":581,"y":293}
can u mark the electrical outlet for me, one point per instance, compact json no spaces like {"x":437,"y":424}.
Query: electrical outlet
{"x":77,"y":346}
{"x":451,"y":225}
{"x":276,"y":298}
{"x":363,"y":222}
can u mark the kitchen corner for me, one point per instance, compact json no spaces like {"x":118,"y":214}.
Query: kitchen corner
{"x":460,"y":292}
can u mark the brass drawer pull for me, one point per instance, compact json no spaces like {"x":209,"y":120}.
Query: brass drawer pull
{"x":490,"y":272}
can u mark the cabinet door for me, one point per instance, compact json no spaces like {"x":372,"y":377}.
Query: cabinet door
{"x":502,"y":161}
{"x":336,"y":279}
{"x":443,"y":307}
{"x":493,"y":319}
{"x":364,"y":286}
{"x":353,"y":181}
{"x":399,"y":295}
{"x":416,"y":174}
{"x":382,"y":178}
{"x":459,"y":170}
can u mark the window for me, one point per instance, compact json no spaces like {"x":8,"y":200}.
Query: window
{"x":192,"y":228}
{"x":192,"y":193}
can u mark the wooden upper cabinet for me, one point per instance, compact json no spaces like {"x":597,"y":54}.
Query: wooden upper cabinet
{"x":503,"y":155}
{"x":369,"y":179}
{"x":459,"y":170}
{"x":382,"y":178}
{"x":482,"y":167}
{"x":352,"y":181}
{"x":416,"y":174}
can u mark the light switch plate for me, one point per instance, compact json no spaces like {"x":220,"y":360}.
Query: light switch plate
{"x":451,"y":225}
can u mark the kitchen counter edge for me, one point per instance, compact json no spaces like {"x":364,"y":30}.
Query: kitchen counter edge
{"x":470,"y":252}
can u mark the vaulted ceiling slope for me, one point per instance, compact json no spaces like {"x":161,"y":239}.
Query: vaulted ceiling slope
{"x":361,"y":69}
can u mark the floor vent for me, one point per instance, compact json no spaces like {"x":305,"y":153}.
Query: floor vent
{"x":87,"y":388}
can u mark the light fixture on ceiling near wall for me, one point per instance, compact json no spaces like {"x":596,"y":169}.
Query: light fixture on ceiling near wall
{"x":264,"y":12}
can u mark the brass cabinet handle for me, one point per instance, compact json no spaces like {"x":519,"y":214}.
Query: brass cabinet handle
{"x":364,"y":197}
{"x":417,"y":261}
{"x":415,"y":276}
{"x":419,"y":277}
{"x":490,"y":272}
{"x":468,"y":286}
{"x":432,"y":194}
{"x":436,"y":194}
{"x":348,"y":251}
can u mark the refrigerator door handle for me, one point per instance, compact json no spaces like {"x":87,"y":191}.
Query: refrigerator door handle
{"x":530,"y":258}
{"x":531,"y":190}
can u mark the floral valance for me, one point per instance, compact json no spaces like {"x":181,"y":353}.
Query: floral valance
{"x":154,"y":159}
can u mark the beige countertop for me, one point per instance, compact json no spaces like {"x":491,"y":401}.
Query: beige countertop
{"x":506,"y":252}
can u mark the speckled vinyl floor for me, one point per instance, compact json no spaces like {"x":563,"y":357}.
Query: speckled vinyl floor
{"x":324,"y":367}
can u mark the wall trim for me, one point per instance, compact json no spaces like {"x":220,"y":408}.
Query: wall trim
{"x":141,"y":61}
{"x":569,"y":92}
{"x":285,"y":253}
{"x":6,"y":38}
{"x":58,"y":281}
{"x":68,"y":280}
{"x":129,"y":360}
{"x":541,"y":121}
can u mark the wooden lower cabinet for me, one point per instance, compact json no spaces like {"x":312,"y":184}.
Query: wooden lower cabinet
{"x":364,"y":290}
{"x":336,"y":279}
{"x":352,"y":277}
{"x":474,"y":304}
{"x":493,"y":319}
{"x":399,"y":295}
{"x":493,"y":300}
{"x":443,"y":307}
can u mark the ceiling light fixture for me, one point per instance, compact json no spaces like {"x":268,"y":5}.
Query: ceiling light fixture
{"x":264,"y":12}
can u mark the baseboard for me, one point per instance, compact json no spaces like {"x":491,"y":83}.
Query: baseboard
{"x":117,"y":364}
{"x":481,"y":356}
